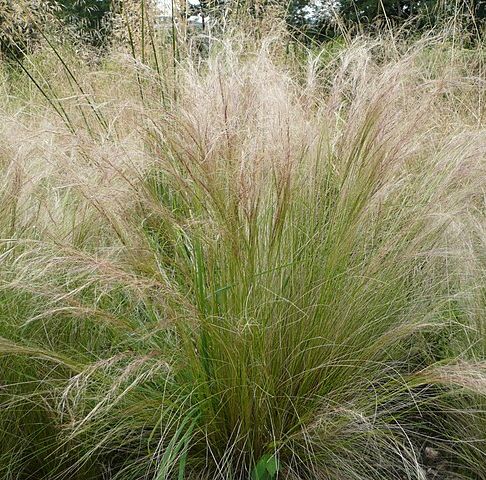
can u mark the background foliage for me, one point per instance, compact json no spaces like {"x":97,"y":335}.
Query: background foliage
{"x":91,"y":21}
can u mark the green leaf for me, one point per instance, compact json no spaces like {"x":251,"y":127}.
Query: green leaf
{"x":266,"y":468}
{"x":272,"y":466}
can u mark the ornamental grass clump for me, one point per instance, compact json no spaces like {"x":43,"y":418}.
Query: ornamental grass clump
{"x":270,"y":274}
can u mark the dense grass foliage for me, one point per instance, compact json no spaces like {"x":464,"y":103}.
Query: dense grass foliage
{"x":244,"y":261}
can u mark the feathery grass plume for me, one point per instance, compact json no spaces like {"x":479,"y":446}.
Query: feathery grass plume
{"x":134,"y":24}
{"x":276,"y":273}
{"x":19,"y":20}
